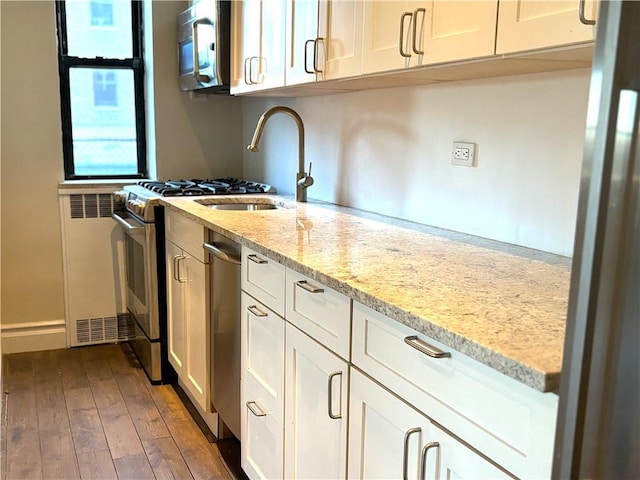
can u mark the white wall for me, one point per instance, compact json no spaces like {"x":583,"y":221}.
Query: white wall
{"x":388,"y":151}
{"x":31,"y":165}
{"x":194,"y":138}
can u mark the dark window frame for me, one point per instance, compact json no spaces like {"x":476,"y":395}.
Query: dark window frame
{"x":135,"y":64}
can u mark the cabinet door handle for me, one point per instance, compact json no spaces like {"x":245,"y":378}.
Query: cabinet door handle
{"x":330,"y":396}
{"x":414,"y":43}
{"x":401,"y":41}
{"x":405,"y":451}
{"x":246,"y":79}
{"x":308,"y":287}
{"x":256,"y":259}
{"x":257,"y":411}
{"x":423,"y":463}
{"x":256,"y":311}
{"x":424,"y":347}
{"x":583,"y":19}
{"x":319,"y":41}
{"x":306,"y":49}
{"x":181,"y":279}
{"x":175,"y":267}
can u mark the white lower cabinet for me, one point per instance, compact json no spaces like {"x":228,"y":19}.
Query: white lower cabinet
{"x":262,"y":438}
{"x":188,"y":329}
{"x":390,"y":439}
{"x":316,"y":397}
{"x":262,"y":393}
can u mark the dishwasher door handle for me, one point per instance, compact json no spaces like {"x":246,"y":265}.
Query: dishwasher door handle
{"x":222,"y":252}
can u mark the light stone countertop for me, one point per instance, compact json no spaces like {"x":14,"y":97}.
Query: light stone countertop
{"x":502,"y":305}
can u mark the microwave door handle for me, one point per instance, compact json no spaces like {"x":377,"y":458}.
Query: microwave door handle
{"x":133,"y":230}
{"x":196,"y":60}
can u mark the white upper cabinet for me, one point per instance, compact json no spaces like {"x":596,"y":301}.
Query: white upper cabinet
{"x":340,"y":28}
{"x":258,"y":45}
{"x":528,"y":24}
{"x":302,"y":44}
{"x":406,"y":34}
{"x":456,"y":30}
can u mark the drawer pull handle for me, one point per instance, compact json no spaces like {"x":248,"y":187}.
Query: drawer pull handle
{"x":253,"y":407}
{"x":330,"y":396}
{"x":256,"y":311}
{"x":405,"y":451}
{"x":308,"y":287}
{"x":424,"y":347}
{"x":256,"y":259}
{"x":423,"y":464}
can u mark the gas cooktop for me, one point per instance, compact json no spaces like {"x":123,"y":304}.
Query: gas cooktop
{"x":197,"y":187}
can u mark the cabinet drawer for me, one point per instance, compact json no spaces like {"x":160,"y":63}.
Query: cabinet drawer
{"x":506,"y":420}
{"x":263,"y":354}
{"x":319,"y":311}
{"x":263,"y":279}
{"x":262,"y":439}
{"x":185,"y":233}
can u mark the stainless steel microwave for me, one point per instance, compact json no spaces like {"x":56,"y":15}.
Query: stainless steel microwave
{"x":204,"y":50}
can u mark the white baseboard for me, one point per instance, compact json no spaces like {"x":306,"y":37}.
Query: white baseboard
{"x":34,"y":336}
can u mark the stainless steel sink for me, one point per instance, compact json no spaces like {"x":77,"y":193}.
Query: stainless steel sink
{"x":245,"y":206}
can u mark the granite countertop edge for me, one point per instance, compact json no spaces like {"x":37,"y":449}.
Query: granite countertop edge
{"x":542,"y":381}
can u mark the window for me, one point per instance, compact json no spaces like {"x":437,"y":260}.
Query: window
{"x":101,"y":89}
{"x":105,"y":89}
{"x":102,"y":14}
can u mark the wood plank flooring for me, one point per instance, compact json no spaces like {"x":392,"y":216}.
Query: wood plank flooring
{"x":91,"y":413}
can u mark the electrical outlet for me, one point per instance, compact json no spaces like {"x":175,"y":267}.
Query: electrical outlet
{"x":463,"y":154}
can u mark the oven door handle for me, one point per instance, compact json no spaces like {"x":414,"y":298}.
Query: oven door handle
{"x":133,"y":230}
{"x":219,"y":250}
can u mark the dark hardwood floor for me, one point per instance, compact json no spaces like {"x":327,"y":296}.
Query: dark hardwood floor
{"x":91,"y":413}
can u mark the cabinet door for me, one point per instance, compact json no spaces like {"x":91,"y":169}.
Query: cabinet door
{"x":449,"y":458}
{"x":245,"y":44}
{"x":175,"y":306}
{"x":302,"y":32}
{"x":271,"y":68}
{"x":456,"y":30}
{"x":390,"y":439}
{"x":385,"y":434}
{"x":197,"y":332}
{"x":531,"y":24}
{"x":430,"y":32}
{"x":384,"y":21}
{"x":262,"y":361}
{"x":258,"y":45}
{"x":341,"y":23}
{"x":315,"y":409}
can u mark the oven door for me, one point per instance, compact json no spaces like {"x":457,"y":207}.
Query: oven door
{"x":141,"y":272}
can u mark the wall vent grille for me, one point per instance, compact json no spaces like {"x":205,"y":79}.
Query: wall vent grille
{"x":92,"y":205}
{"x":105,"y":329}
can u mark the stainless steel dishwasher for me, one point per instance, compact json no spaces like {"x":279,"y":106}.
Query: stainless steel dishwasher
{"x":224,"y":301}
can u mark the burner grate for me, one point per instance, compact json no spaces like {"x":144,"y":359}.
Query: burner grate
{"x":197,"y":187}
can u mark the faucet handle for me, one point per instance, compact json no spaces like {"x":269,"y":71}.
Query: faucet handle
{"x":306,"y":180}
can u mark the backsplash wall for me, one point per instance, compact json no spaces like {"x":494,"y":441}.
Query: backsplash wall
{"x":388,"y":151}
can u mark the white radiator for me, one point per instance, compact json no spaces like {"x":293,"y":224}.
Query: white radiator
{"x":93,"y":255}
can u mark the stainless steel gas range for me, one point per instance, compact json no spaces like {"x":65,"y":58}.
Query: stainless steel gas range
{"x":143,"y":224}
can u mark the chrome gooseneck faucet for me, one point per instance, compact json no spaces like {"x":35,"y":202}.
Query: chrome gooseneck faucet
{"x":303,"y":180}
